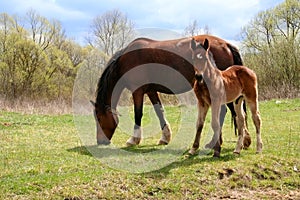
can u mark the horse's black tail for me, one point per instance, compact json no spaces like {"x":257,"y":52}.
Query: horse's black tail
{"x":237,"y":60}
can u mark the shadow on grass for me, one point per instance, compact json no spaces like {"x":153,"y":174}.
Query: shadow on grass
{"x":189,"y":160}
{"x":184,"y":159}
{"x":80,"y":150}
{"x":86,"y":150}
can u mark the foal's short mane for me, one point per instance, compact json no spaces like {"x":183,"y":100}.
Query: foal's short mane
{"x":211,"y":59}
{"x":105,"y":79}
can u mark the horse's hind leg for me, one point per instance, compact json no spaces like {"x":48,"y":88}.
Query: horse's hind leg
{"x":241,"y":125}
{"x":159,"y":110}
{"x":202,"y":111}
{"x":257,"y":122}
{"x":138,"y":99}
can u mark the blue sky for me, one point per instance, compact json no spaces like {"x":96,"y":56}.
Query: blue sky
{"x":225,"y":18}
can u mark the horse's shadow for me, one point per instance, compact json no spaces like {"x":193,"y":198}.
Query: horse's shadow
{"x":184,"y":159}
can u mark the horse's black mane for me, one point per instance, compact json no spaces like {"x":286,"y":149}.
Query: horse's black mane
{"x":105,"y":79}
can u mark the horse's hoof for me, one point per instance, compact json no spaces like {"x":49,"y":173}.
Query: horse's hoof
{"x":216,"y":154}
{"x":133,"y":141}
{"x":166,"y":135}
{"x":103,"y":142}
{"x":192,"y":151}
{"x":236,"y":153}
{"x":162,"y":142}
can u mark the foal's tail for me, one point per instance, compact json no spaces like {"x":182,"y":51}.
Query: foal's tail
{"x":237,"y":60}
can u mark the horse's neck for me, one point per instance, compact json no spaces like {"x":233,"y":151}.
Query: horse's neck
{"x":112,"y":92}
{"x":113,"y":95}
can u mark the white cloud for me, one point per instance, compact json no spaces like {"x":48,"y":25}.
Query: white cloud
{"x":48,"y":8}
{"x":224,"y":18}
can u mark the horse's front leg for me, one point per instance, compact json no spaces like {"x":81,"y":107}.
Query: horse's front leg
{"x":159,"y":110}
{"x":138,"y":99}
{"x":215,"y":143}
{"x":202,"y":112}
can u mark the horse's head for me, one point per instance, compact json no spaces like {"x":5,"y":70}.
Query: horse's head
{"x":106,"y":122}
{"x":199,"y":56}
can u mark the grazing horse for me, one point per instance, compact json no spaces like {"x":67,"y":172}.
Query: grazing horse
{"x":219,"y":87}
{"x":177,"y":55}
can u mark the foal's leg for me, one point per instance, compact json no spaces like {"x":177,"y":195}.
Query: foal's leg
{"x":241,"y":125}
{"x":138,"y":99}
{"x":257,"y":122}
{"x":215,"y":124}
{"x":202,"y":111}
{"x":221,"y":119}
{"x":159,"y":110}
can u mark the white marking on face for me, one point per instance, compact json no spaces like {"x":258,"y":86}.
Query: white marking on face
{"x":199,"y":56}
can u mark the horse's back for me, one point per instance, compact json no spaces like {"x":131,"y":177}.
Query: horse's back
{"x":177,"y":45}
{"x":220,"y":49}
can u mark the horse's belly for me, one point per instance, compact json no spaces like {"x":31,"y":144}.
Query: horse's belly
{"x":158,"y":78}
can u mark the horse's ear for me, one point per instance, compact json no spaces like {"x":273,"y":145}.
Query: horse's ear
{"x":206,"y":44}
{"x":193,"y":44}
{"x":93,"y":103}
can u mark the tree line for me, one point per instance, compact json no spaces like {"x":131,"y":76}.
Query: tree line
{"x":39,"y":62}
{"x":271,"y":46}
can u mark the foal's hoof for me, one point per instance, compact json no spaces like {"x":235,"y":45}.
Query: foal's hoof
{"x":209,"y":145}
{"x":162,"y":142}
{"x":247,"y":141}
{"x":133,"y":141}
{"x":259,"y":152}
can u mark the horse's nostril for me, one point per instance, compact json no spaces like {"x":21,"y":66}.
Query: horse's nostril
{"x":198,"y":77}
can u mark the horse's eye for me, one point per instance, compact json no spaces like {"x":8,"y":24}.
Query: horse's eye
{"x":199,"y":56}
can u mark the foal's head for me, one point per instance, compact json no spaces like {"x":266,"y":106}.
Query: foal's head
{"x":200,"y":57}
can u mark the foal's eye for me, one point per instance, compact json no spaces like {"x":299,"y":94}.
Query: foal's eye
{"x":199,"y":56}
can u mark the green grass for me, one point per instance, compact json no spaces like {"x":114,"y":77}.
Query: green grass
{"x":42,"y":157}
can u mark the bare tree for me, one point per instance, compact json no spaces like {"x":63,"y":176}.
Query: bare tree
{"x":43,"y":32}
{"x":194,"y":29}
{"x":111,"y":32}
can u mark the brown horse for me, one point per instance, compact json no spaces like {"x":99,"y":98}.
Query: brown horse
{"x":220,"y":87}
{"x":177,"y":55}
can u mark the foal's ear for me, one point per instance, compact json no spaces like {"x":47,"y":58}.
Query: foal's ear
{"x":206,"y":44}
{"x":93,"y":103}
{"x":193,"y":44}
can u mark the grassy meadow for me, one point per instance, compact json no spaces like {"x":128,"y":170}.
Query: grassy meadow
{"x":42,"y":157}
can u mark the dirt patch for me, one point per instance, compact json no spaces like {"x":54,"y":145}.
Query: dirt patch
{"x":264,"y":193}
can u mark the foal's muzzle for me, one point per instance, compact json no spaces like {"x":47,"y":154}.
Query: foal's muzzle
{"x":198,"y":77}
